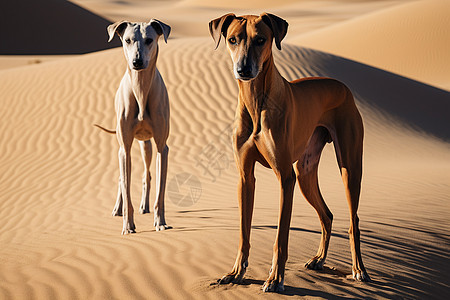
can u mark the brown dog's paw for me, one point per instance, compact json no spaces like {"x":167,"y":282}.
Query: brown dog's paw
{"x":315,"y":263}
{"x":360,"y":275}
{"x":235,"y":276}
{"x":273,"y":286}
{"x":231,"y":278}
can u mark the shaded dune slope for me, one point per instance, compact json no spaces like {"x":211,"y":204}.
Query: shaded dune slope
{"x":51,"y":27}
{"x":409,"y":102}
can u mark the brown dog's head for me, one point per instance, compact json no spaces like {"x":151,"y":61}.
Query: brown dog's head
{"x":249,"y":40}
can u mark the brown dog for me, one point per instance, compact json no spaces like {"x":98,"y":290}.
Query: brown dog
{"x":284,"y":126}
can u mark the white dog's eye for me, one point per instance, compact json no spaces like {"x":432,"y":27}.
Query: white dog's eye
{"x":232,"y":41}
{"x":148,"y":41}
{"x":127,"y":41}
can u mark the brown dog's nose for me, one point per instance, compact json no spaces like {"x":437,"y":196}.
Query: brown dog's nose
{"x":244,"y":71}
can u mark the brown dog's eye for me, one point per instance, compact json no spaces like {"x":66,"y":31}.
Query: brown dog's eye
{"x":148,"y":41}
{"x":260,"y":41}
{"x":127,"y":41}
{"x":232,"y":41}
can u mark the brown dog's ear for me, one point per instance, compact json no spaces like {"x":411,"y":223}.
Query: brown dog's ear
{"x":278,"y":25}
{"x":161,"y":28}
{"x":118,"y":28}
{"x":219,"y":27}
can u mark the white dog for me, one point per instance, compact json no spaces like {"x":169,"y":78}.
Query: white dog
{"x":142,"y":108}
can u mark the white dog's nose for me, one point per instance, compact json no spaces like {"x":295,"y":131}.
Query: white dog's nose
{"x":138,"y":63}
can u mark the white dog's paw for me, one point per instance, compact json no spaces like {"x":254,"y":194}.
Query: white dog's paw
{"x":129,"y":229}
{"x":162,"y":227}
{"x":160,"y":224}
{"x":143,"y":211}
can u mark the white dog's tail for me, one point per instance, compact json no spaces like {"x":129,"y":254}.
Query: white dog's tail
{"x":104,"y":129}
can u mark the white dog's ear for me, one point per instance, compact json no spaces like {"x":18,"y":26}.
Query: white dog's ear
{"x":118,"y":28}
{"x":219,"y":27}
{"x":278,"y":25}
{"x":160,"y":28}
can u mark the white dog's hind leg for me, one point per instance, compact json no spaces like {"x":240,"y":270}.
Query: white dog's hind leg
{"x":146,"y":152}
{"x":117,"y":211}
{"x":161,"y":176}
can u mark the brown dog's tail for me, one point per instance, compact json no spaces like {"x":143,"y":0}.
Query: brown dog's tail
{"x":104,"y":129}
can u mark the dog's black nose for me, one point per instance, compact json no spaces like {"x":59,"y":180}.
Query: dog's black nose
{"x":138,"y":63}
{"x":244,"y":71}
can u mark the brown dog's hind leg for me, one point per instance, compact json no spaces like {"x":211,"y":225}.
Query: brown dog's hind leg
{"x":306,"y":171}
{"x":349,"y":146}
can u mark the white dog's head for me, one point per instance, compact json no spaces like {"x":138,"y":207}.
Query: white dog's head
{"x":139,"y":40}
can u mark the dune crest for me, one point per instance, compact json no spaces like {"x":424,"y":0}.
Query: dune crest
{"x":409,"y":39}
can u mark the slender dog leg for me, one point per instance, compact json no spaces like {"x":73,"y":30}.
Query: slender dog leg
{"x":125,"y":172}
{"x":161,"y":176}
{"x":275,"y":282}
{"x":117,"y":211}
{"x":349,"y":149}
{"x":352,"y":188}
{"x":146,"y":152}
{"x":246,"y":194}
{"x":306,"y":170}
{"x":310,"y":189}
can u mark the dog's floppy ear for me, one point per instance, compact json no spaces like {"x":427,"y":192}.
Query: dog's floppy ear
{"x":219,"y":27}
{"x":278,"y":25}
{"x":118,"y":28}
{"x":160,"y":28}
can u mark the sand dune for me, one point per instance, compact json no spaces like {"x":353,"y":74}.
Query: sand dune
{"x":188,"y":17}
{"x":59,"y":175}
{"x":409,"y":39}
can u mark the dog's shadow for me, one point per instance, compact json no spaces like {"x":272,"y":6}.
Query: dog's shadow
{"x":288,"y":289}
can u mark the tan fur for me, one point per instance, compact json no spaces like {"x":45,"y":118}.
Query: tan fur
{"x":142,"y":109}
{"x":284,"y":126}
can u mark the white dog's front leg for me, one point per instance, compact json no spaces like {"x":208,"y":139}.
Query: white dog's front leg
{"x":161,"y":176}
{"x":125,"y":174}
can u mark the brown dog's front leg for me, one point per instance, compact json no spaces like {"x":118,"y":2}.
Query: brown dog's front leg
{"x":275,"y":282}
{"x":246,"y":193}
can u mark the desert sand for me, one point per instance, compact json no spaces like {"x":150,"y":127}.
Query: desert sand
{"x":58,"y":239}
